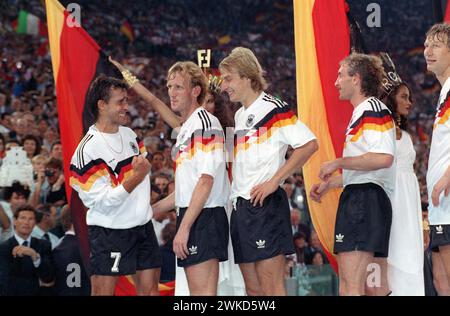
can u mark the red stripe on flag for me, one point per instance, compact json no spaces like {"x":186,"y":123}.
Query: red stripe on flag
{"x":332,"y":39}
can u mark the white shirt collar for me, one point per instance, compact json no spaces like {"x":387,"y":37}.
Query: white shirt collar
{"x":20,"y":240}
{"x":70,"y":232}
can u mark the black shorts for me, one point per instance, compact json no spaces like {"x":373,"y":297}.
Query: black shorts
{"x":123,"y":251}
{"x":363,"y":220}
{"x":439,"y":236}
{"x":208,"y":237}
{"x":262,"y":232}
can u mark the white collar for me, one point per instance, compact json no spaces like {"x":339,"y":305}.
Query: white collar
{"x":20,"y":240}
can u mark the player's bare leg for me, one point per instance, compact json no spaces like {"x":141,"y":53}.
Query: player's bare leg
{"x":271,"y":275}
{"x":103,"y":285}
{"x":377,"y":269}
{"x":147,"y":282}
{"x":203,"y":278}
{"x":440,"y":278}
{"x":252,"y":286}
{"x":353,"y":271}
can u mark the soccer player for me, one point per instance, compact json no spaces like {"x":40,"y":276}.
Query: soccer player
{"x":264,"y":128}
{"x":110,"y":173}
{"x":364,"y":215}
{"x":201,"y":182}
{"x":437,"y":56}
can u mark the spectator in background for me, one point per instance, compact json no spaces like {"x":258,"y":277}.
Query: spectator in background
{"x":289,"y":187}
{"x":5,"y":123}
{"x":56,"y":150}
{"x":4,"y":108}
{"x":71,"y":278}
{"x":51,"y":189}
{"x":5,"y":225}
{"x":2,"y":148}
{"x":45,"y":221}
{"x":168,"y":256}
{"x":161,"y":182}
{"x":50,"y":137}
{"x":297,"y":225}
{"x":15,"y":196}
{"x":31,"y":145}
{"x":24,"y":260}
{"x":302,"y":253}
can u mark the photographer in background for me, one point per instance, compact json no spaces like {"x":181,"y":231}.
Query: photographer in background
{"x":50,"y":189}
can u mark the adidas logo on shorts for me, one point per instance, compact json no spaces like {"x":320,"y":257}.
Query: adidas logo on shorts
{"x":439,"y":230}
{"x":340,"y":238}
{"x":193,"y":250}
{"x":261,"y":244}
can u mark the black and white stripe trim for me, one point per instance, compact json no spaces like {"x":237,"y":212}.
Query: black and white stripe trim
{"x":206,"y":121}
{"x":80,"y":155}
{"x":280,"y":104}
{"x":376,"y":104}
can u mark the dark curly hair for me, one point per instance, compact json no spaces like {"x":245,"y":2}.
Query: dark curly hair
{"x":369,"y":68}
{"x":100,"y":89}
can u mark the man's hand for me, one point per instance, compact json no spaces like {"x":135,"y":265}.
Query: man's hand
{"x":20,"y":251}
{"x":318,"y":190}
{"x":180,"y":243}
{"x":117,"y":64}
{"x":327,"y":169}
{"x":261,"y":191}
{"x":443,"y":185}
{"x":141,"y":165}
{"x":40,"y":177}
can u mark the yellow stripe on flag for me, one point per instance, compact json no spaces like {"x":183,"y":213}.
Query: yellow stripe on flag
{"x":312,"y":111}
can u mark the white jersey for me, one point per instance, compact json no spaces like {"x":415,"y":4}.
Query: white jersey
{"x":439,"y":160}
{"x":200,"y":150}
{"x":371,"y":130}
{"x":263,"y":133}
{"x":99,"y":166}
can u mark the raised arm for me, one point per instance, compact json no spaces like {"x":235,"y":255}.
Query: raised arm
{"x":164,"y":111}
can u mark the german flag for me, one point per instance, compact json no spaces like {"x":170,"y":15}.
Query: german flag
{"x":322,"y":40}
{"x":77,"y":60}
{"x":127,"y":30}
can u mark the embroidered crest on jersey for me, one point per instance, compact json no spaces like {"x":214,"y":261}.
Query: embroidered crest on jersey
{"x":134,"y":148}
{"x":250,"y":119}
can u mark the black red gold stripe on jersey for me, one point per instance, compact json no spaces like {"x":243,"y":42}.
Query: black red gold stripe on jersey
{"x":380,"y":121}
{"x":141,"y":146}
{"x":86,"y":176}
{"x":264,"y":129}
{"x":443,"y":113}
{"x":205,"y":141}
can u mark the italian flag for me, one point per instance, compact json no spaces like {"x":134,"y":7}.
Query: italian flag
{"x":28,"y":23}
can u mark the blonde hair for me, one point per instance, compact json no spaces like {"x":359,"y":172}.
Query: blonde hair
{"x":39,"y":158}
{"x":245,"y":62}
{"x":196,"y":75}
{"x":441,"y":32}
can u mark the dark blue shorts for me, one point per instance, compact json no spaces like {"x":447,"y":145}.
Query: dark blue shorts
{"x":262,"y":232}
{"x":439,"y":236}
{"x":208,"y":237}
{"x":123,"y":251}
{"x":363,"y":220}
